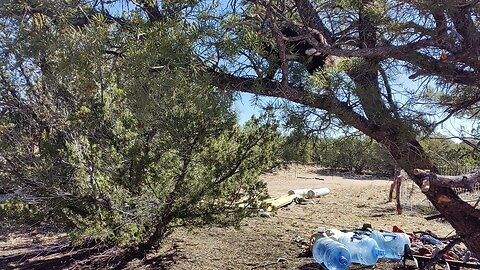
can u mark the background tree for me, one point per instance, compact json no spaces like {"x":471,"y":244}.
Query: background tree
{"x":297,"y":148}
{"x":298,"y":144}
{"x":354,"y":153}
{"x":450,"y":156}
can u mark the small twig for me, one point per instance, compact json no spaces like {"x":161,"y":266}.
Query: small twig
{"x":442,"y":252}
{"x":468,"y":4}
{"x":84,"y":13}
{"x":476,"y":204}
{"x":433,"y":217}
{"x":264,"y":265}
{"x":316,"y":178}
{"x":249,"y":24}
{"x":280,"y":39}
{"x":279,"y":260}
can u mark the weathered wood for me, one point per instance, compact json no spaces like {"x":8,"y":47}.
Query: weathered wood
{"x":397,"y":195}
{"x":432,"y":217}
{"x":422,"y":261}
{"x":390,"y":193}
{"x":438,"y":256}
{"x":280,"y":201}
{"x":463,"y":181}
{"x":284,"y":200}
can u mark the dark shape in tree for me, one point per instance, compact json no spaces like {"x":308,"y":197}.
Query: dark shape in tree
{"x":298,"y":50}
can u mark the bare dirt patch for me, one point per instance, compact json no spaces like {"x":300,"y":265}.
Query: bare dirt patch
{"x":259,"y":243}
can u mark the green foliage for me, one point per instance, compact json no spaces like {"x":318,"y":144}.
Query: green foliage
{"x":14,"y":212}
{"x":356,"y":154}
{"x":114,"y":127}
{"x":353,"y":153}
{"x":115,"y":147}
{"x":449,"y":156}
{"x":297,"y":147}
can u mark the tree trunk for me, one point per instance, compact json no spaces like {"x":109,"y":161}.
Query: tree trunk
{"x":463,"y":217}
{"x":390,"y":193}
{"x":167,"y":213}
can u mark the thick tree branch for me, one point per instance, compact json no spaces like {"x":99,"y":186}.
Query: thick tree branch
{"x":386,"y":51}
{"x":167,"y":211}
{"x":406,"y":52}
{"x":463,"y":181}
{"x":438,"y":256}
{"x":389,"y":95}
{"x":300,"y":95}
{"x":280,"y":39}
{"x":310,"y":18}
{"x":464,"y":25}
{"x":152,"y":10}
{"x":445,"y":70}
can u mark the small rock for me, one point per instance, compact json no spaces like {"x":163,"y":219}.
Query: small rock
{"x":264,"y":214}
{"x":301,"y":241}
{"x":307,"y":201}
{"x":303,"y":201}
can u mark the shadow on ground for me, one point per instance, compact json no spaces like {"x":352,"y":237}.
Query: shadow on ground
{"x":310,"y":266}
{"x":351,"y":175}
{"x":85,"y":257}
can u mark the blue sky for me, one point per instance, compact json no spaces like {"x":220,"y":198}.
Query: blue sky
{"x":247,"y":105}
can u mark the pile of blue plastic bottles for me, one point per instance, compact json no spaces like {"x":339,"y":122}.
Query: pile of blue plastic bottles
{"x":336,"y":250}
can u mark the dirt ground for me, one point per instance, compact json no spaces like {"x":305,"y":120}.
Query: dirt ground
{"x":259,"y":243}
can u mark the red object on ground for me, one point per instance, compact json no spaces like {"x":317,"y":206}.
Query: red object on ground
{"x":398,"y":230}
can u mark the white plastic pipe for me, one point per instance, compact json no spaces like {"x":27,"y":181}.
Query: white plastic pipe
{"x":301,"y":192}
{"x":315,"y":193}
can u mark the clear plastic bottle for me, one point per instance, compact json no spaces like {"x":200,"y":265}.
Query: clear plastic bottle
{"x":335,"y":234}
{"x":331,"y":254}
{"x":363,"y":250}
{"x":394,"y":244}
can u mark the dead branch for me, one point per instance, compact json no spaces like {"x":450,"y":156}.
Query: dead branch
{"x":462,"y":181}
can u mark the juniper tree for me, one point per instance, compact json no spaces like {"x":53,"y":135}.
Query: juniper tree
{"x":111,"y":128}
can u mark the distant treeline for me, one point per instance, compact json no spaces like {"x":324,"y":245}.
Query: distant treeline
{"x":360,"y":154}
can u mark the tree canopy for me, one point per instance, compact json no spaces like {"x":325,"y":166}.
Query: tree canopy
{"x":177,"y":64}
{"x":120,"y":149}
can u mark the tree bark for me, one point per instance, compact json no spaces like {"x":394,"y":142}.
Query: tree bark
{"x":167,"y":213}
{"x":463,"y":181}
{"x":463,"y":217}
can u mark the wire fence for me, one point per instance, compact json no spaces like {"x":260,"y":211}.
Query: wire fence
{"x":413,"y":200}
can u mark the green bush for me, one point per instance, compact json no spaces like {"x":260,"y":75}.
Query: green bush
{"x":351,"y":153}
{"x":357,"y":154}
{"x":14,"y":212}
{"x":120,"y":152}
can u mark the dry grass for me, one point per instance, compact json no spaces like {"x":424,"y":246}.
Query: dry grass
{"x":268,"y":243}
